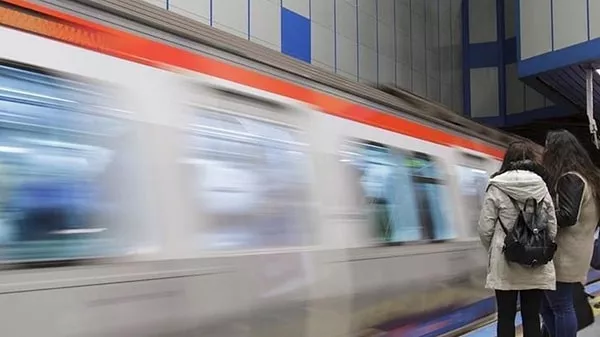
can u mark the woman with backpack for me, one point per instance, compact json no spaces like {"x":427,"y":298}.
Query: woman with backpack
{"x":574,"y":182}
{"x":502,"y":223}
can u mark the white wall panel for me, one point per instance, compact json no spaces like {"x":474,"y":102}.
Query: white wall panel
{"x":322,"y":12}
{"x":533,"y":99}
{"x":367,"y":30}
{"x":231,"y":16}
{"x":445,"y":49}
{"x":346,"y":55}
{"x":433,"y":88}
{"x":403,"y":16}
{"x":414,"y":44}
{"x":536,"y":31}
{"x":385,"y":11}
{"x":346,"y":19}
{"x":594,"y":19}
{"x":515,"y":91}
{"x":457,"y":82}
{"x":322,"y":45}
{"x":403,"y":48}
{"x":265,"y":23}
{"x":418,"y":7}
{"x":418,"y":41}
{"x":482,"y":14}
{"x":387,"y":69}
{"x":404,"y":76}
{"x":432,"y":25}
{"x":419,"y":83}
{"x":570,"y":22}
{"x":367,"y":64}
{"x":198,"y":10}
{"x":457,"y":97}
{"x":446,"y":95}
{"x":386,"y":40}
{"x":366,"y":6}
{"x":301,"y":7}
{"x":433,"y":64}
{"x":484,"y":92}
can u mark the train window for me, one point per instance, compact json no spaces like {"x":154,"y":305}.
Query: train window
{"x":53,"y":150}
{"x":250,"y":181}
{"x":472,"y":184}
{"x":403,"y":191}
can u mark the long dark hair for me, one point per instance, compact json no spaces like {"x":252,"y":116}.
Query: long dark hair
{"x":521,"y":155}
{"x":565,"y":154}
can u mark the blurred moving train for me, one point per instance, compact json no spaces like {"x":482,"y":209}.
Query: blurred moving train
{"x":151,"y":185}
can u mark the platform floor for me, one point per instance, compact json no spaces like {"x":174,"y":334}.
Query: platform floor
{"x":592,"y":331}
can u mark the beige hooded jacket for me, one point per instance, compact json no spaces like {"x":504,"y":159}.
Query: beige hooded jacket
{"x":520,"y":185}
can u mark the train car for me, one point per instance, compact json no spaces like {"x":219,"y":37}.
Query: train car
{"x":160,"y":178}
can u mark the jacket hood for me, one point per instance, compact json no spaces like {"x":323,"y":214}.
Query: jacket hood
{"x":521,"y":184}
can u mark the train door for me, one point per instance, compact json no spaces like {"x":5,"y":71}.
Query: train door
{"x":246,"y":169}
{"x":472,"y":172}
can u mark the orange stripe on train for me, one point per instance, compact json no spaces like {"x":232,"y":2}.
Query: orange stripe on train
{"x":67,"y":28}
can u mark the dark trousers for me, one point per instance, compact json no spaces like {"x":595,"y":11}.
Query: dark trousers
{"x":531,"y":301}
{"x":558,"y":311}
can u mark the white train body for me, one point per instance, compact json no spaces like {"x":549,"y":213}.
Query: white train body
{"x":230,"y":210}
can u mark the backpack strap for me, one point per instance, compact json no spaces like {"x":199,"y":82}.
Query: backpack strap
{"x":516,"y":204}
{"x":503,"y":227}
{"x":499,"y":220}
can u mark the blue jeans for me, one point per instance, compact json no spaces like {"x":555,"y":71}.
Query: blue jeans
{"x":558,"y":311}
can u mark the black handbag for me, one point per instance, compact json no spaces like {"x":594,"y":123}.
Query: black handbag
{"x":596,"y":256}
{"x":583,"y":309}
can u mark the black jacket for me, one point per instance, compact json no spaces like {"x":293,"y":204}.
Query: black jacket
{"x":569,"y":193}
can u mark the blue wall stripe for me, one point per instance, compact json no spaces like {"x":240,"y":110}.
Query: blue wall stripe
{"x":510,"y":49}
{"x":498,"y":54}
{"x":524,"y":117}
{"x":295,"y":35}
{"x":579,"y":53}
{"x":466,"y":65}
{"x":483,"y":55}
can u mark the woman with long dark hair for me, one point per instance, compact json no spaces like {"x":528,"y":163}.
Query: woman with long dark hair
{"x":518,"y":181}
{"x":574,"y":182}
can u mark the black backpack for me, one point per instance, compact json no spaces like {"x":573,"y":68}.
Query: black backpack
{"x":528,"y":242}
